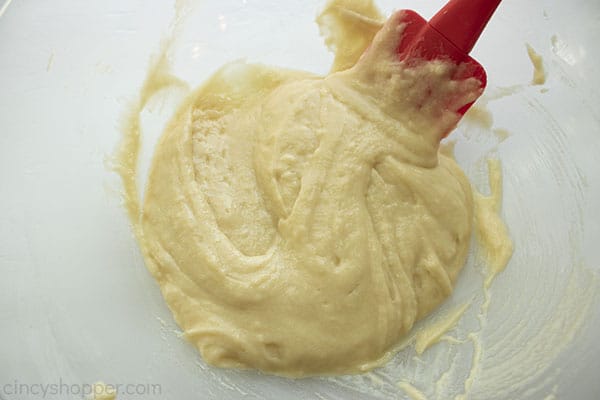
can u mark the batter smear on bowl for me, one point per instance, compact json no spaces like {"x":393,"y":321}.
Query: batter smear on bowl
{"x":300,"y":224}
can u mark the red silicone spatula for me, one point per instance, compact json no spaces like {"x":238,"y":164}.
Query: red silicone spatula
{"x":449,"y":35}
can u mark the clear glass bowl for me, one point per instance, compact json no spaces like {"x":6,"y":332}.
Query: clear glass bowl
{"x":77,"y":303}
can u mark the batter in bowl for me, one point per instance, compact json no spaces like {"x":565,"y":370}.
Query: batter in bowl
{"x":300,"y":225}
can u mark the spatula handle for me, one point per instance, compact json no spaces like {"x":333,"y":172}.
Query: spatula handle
{"x":462,"y":21}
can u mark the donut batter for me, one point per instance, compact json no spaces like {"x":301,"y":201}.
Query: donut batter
{"x":301,"y":225}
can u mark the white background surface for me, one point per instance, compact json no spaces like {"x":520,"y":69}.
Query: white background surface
{"x":76,"y":303}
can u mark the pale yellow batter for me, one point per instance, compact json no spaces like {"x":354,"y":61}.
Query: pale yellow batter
{"x":102,"y":391}
{"x":539,"y":72}
{"x":301,"y":225}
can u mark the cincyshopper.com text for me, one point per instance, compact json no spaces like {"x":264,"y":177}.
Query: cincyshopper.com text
{"x":19,"y":390}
